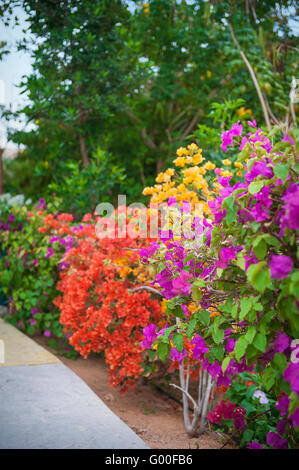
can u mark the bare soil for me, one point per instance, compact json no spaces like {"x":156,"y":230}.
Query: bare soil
{"x":156,"y":418}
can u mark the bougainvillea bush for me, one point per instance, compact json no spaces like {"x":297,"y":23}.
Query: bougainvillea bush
{"x":47,"y":253}
{"x":33,"y":242}
{"x":100,"y":309}
{"x":240,"y":268}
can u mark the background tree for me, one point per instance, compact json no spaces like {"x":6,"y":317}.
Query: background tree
{"x":137,"y":79}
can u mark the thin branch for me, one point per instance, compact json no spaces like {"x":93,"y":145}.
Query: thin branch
{"x":187,"y":395}
{"x":253,"y":76}
{"x":205,"y":405}
{"x":151,"y":289}
{"x":189,"y":128}
{"x":148,"y":141}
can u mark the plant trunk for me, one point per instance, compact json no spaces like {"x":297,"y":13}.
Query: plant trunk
{"x":83,"y":151}
{"x":159,"y":165}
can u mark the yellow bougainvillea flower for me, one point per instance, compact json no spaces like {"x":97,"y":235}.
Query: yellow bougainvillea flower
{"x":209,"y":166}
{"x":226,"y":173}
{"x":192,"y":307}
{"x":160,"y":178}
{"x":213,"y":312}
{"x":241,"y":111}
{"x":169,"y":172}
{"x":192,"y":147}
{"x":238,"y":165}
{"x":180,"y":161}
{"x":197,"y":159}
{"x":125,"y":271}
{"x":226,"y":162}
{"x":182,"y":151}
{"x":147,"y":191}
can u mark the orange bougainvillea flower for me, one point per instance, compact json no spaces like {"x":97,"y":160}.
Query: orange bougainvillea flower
{"x":99,"y":310}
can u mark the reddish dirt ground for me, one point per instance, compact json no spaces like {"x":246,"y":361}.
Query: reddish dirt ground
{"x":157,"y":419}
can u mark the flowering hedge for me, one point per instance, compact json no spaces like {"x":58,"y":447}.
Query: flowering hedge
{"x":30,"y":266}
{"x":47,"y":253}
{"x":99,"y":309}
{"x":243,"y":265}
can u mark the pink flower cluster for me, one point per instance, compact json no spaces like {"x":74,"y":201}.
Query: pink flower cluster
{"x":227,"y":410}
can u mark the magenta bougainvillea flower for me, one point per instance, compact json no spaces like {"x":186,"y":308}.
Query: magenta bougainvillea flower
{"x":176,"y":355}
{"x":287,"y":138}
{"x":295,"y":418}
{"x":290,"y":213}
{"x":239,"y":423}
{"x":260,"y":169}
{"x":280,"y":266}
{"x":225,"y":255}
{"x":283,"y":405}
{"x":282,"y":426}
{"x":274,"y":440}
{"x":201,"y":348}
{"x":227,"y":139}
{"x":150,"y":336}
{"x":282,"y":342}
{"x":252,"y":123}
{"x":291,"y":374}
{"x":230,"y":345}
{"x":254,"y":445}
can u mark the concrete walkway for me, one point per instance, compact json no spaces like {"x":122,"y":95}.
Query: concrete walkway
{"x":44,"y":405}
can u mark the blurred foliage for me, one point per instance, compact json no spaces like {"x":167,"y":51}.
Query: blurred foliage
{"x":137,"y":79}
{"x":85,"y":188}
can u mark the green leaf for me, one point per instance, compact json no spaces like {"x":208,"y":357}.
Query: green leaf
{"x":218,"y":335}
{"x":258,"y":306}
{"x":249,"y":407}
{"x":231,"y":215}
{"x":225,"y":364}
{"x":218,"y":352}
{"x":240,"y":348}
{"x":245,"y":305}
{"x":255,"y":187}
{"x":30,"y":330}
{"x":269,"y":378}
{"x":250,"y":334}
{"x":281,"y":171}
{"x":167,"y":332}
{"x":260,"y":250}
{"x":235,"y":310}
{"x":163,"y":350}
{"x":247,"y":436}
{"x":196,"y":294}
{"x":280,"y":361}
{"x":260,"y":342}
{"x":259,"y":276}
{"x":192,"y":325}
{"x":228,"y":203}
{"x":199,"y":283}
{"x":204,"y":317}
{"x":178,"y":341}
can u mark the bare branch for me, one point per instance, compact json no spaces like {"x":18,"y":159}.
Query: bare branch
{"x":187,"y":395}
{"x":253,"y":76}
{"x":150,"y":289}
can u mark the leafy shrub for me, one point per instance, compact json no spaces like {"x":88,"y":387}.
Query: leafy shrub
{"x":244,"y":270}
{"x":99,"y":310}
{"x":30,"y":267}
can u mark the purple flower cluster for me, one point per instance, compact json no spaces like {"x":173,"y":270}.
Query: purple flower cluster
{"x":289,"y":218}
{"x":150,"y":336}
